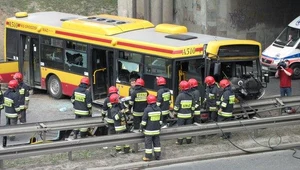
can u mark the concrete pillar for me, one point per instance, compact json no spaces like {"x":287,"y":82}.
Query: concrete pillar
{"x":156,"y":12}
{"x":125,"y":8}
{"x":167,"y":11}
{"x":140,"y":10}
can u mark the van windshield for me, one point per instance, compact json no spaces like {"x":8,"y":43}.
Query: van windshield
{"x":288,"y":37}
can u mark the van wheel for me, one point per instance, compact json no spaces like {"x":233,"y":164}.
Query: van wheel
{"x":54,"y":87}
{"x":296,"y":69}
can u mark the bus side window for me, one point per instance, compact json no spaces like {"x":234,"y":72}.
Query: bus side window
{"x":128,"y":66}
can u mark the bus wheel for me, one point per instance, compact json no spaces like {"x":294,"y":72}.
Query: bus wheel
{"x":54,"y":87}
{"x":296,"y":69}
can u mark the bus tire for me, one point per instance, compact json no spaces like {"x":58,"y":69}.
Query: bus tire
{"x":54,"y":87}
{"x":296,"y":70}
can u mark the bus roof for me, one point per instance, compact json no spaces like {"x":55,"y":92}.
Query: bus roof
{"x":151,"y":36}
{"x":115,"y":31}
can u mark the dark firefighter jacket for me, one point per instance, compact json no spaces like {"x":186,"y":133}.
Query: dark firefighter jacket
{"x":1,"y":99}
{"x":164,"y":99}
{"x":211,"y":97}
{"x":11,"y":103}
{"x":197,"y":99}
{"x":184,"y":105}
{"x":82,"y":101}
{"x":119,"y":117}
{"x":227,"y":101}
{"x":23,"y":90}
{"x":151,"y":120}
{"x":107,"y":110}
{"x":138,"y":100}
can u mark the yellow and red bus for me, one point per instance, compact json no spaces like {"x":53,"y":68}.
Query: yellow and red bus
{"x":55,"y":50}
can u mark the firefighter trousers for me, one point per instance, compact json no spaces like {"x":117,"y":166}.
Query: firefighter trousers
{"x":136,"y":122}
{"x":182,"y":122}
{"x":111,"y":129}
{"x":23,"y":116}
{"x":213,"y":116}
{"x":226,"y":135}
{"x":152,"y":140}
{"x":83,"y":131}
{"x":126,"y":147}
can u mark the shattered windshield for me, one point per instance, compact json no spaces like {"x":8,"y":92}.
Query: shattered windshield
{"x":288,"y":37}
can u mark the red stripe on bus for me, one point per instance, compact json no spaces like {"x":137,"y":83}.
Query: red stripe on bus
{"x":83,"y":36}
{"x":150,"y":48}
{"x":124,"y":43}
{"x":199,"y":49}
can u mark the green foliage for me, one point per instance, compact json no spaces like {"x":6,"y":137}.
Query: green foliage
{"x":86,"y":7}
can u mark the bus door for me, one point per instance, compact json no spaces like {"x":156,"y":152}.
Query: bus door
{"x":191,"y":68}
{"x":102,"y":73}
{"x":29,"y":63}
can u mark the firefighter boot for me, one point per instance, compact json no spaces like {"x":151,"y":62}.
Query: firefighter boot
{"x":4,"y":141}
{"x":179,"y":141}
{"x":126,"y":149}
{"x":83,"y":134}
{"x":188,"y":140}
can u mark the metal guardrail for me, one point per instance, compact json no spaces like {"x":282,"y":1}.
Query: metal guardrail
{"x":259,"y":106}
{"x":131,"y":138}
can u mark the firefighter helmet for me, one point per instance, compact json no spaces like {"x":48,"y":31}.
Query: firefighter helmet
{"x":140,"y":82}
{"x":18,"y":76}
{"x":151,"y":99}
{"x":112,"y":89}
{"x":209,"y":80}
{"x":193,"y":83}
{"x":12,"y":84}
{"x":184,"y":85}
{"x":85,"y":80}
{"x":224,"y":83}
{"x":161,"y":81}
{"x":114,"y":98}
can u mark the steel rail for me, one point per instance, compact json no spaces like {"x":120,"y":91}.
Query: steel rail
{"x":262,"y":105}
{"x":131,"y":138}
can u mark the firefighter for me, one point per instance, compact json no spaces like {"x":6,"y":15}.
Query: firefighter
{"x":211,"y":98}
{"x":163,"y":99}
{"x":150,"y":126}
{"x":107,"y":110}
{"x":12,"y":106}
{"x":120,"y":119}
{"x":138,"y":102}
{"x":23,"y":90}
{"x":82,"y":104}
{"x":196,"y":93}
{"x":184,"y":108}
{"x":226,"y":104}
{"x":1,"y":97}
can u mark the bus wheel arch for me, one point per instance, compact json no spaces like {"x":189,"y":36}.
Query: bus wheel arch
{"x":296,"y":70}
{"x":54,"y":86}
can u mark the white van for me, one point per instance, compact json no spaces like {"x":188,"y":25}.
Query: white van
{"x":285,"y":47}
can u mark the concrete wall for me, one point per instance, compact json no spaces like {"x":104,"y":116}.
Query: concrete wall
{"x":260,"y":20}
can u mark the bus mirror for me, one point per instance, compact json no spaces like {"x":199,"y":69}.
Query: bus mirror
{"x":217,"y":68}
{"x":266,"y":78}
